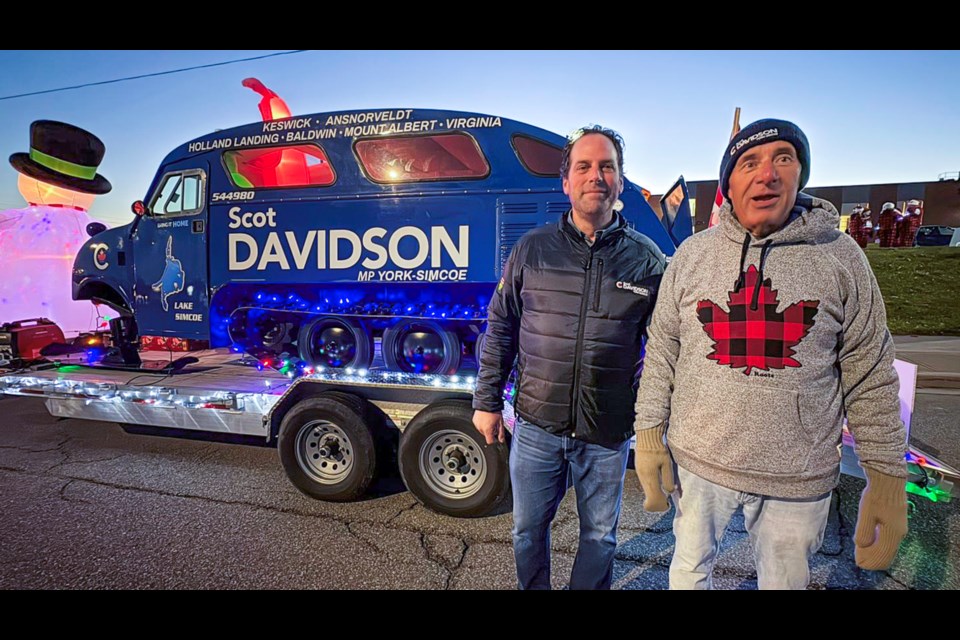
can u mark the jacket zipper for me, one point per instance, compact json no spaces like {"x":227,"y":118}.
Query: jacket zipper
{"x":574,"y":404}
{"x":596,"y":290}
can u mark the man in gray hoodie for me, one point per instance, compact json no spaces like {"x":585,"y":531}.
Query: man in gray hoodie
{"x":769,"y":329}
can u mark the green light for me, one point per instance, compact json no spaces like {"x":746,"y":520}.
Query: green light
{"x":932,"y":494}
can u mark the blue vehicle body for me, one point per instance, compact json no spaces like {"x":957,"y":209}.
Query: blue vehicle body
{"x":385,"y":238}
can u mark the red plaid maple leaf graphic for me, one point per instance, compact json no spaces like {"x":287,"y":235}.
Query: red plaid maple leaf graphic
{"x":760,"y":338}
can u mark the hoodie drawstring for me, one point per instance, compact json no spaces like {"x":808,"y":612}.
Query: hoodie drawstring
{"x":759,"y":283}
{"x":743,"y":258}
{"x":741,"y":279}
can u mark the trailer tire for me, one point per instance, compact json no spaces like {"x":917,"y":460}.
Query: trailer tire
{"x":339,"y":332}
{"x":421,"y":346}
{"x":440,"y":436}
{"x":326,"y":448}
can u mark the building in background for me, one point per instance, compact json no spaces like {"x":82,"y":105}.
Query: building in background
{"x":941,"y":199}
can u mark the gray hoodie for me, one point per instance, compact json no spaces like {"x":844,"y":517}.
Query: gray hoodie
{"x":757,"y":349}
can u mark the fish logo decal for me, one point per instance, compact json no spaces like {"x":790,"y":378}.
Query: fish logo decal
{"x":172,"y":279}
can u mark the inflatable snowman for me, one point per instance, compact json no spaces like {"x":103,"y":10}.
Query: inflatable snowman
{"x":59,"y":180}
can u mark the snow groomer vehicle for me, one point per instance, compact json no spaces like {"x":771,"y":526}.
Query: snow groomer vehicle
{"x":330,"y":235}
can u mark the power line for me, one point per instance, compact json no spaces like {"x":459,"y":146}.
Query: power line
{"x":149,"y":75}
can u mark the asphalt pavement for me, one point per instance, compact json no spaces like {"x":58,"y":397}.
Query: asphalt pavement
{"x":85,"y":505}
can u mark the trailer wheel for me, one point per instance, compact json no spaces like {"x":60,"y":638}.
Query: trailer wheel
{"x":448,"y":467}
{"x":421,"y":346}
{"x":326,"y":448}
{"x":385,"y":437}
{"x":335,"y":342}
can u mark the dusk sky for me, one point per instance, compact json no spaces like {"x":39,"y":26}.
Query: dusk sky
{"x":870,"y":116}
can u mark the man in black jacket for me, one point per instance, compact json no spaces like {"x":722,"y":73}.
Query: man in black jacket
{"x":573,"y":303}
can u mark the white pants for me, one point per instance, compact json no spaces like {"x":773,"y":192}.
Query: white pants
{"x":784,"y":533}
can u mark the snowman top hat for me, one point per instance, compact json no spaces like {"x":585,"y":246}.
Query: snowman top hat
{"x":63,"y":155}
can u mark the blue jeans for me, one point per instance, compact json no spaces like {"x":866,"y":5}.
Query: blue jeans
{"x":784,"y":533}
{"x":539,"y":464}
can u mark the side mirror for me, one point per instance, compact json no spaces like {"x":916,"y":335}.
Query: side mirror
{"x":95,"y":227}
{"x":140,"y":210}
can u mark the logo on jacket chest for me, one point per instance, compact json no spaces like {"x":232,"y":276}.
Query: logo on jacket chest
{"x":753,"y":334}
{"x":635,"y":288}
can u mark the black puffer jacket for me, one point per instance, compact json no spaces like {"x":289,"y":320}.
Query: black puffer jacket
{"x":575,"y":313}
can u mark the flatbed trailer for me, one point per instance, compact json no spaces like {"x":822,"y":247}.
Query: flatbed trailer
{"x":334,"y":428}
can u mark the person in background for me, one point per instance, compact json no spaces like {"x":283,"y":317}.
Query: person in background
{"x":887,"y":225}
{"x":856,"y":227}
{"x":868,"y":226}
{"x":909,"y":223}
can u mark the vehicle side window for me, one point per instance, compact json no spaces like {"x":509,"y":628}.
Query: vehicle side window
{"x":191,"y":193}
{"x":446,"y":156}
{"x":179,"y":193}
{"x":168,"y":198}
{"x":303,"y":165}
{"x":538,"y":157}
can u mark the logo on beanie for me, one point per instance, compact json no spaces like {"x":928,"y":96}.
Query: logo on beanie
{"x":769,"y":133}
